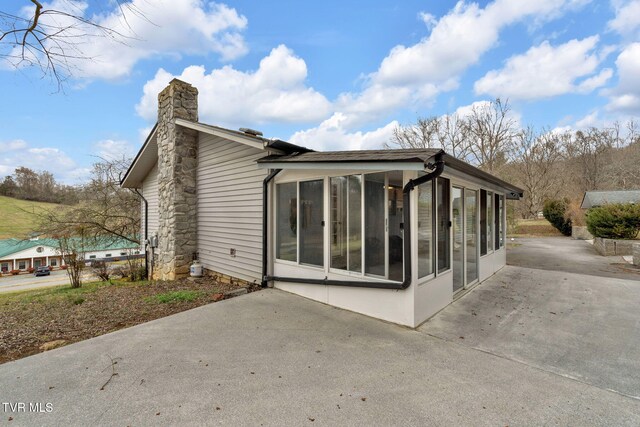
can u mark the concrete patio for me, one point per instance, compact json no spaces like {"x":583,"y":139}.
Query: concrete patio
{"x":272,"y":358}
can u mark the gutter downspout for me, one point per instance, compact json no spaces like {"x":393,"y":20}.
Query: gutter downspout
{"x":265,"y":225}
{"x":146,"y":231}
{"x":438,"y":168}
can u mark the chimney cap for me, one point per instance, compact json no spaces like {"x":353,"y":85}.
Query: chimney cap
{"x":251,"y":131}
{"x":178,"y":81}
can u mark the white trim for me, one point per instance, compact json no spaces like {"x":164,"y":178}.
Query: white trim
{"x":149,"y":143}
{"x":222,"y":133}
{"x":356,"y":166}
{"x":470,"y":181}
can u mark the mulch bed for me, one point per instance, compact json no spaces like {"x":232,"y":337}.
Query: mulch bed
{"x":32,"y":321}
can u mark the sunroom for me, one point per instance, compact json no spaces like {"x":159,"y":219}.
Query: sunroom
{"x":394,"y":234}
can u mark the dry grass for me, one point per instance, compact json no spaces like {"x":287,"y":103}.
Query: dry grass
{"x":34,"y":321}
{"x":534,"y":228}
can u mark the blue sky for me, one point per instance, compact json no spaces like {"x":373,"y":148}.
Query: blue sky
{"x":329,"y":75}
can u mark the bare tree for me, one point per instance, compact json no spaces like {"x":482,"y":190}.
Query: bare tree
{"x":491,"y":132}
{"x":535,"y":158}
{"x":483,"y":138}
{"x":106,"y":210}
{"x":623,"y":169}
{"x":51,"y":36}
{"x":423,"y":134}
{"x":449,"y":132}
{"x":590,"y":150}
{"x":72,"y":249}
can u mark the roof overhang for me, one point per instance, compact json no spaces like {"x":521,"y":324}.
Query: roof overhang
{"x":360,"y":166}
{"x":147,"y":157}
{"x":242,"y":138}
{"x":144,"y":161}
{"x":455,"y":166}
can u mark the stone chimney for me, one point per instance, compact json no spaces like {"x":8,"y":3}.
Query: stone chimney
{"x":177,"y":164}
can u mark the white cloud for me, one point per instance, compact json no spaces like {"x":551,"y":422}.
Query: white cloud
{"x":407,"y":77}
{"x":545,"y":71}
{"x":53,"y":160}
{"x":110,"y":149}
{"x":332,"y":134}
{"x":626,"y":96}
{"x":151,"y":28}
{"x":417,"y":74}
{"x":16,"y":144}
{"x":275,"y":92}
{"x":590,"y":120}
{"x":627,"y":19}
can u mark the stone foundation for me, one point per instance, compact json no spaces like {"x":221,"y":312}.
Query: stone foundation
{"x":636,"y":254}
{"x":580,"y":233}
{"x":226,"y":279}
{"x":609,"y":247}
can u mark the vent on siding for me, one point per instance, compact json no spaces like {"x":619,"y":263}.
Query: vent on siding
{"x":249,"y":131}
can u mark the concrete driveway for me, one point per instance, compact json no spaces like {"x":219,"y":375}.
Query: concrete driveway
{"x":272,"y":358}
{"x":569,"y":255}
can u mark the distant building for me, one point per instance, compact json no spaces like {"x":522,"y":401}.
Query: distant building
{"x":592,"y":199}
{"x":21,"y":255}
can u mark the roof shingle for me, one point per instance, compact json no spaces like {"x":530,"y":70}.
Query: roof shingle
{"x":399,"y":155}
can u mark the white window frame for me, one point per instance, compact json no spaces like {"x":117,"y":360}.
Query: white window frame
{"x":359,"y":274}
{"x":434,"y":226}
{"x":275,"y":223}
{"x":326,"y":268}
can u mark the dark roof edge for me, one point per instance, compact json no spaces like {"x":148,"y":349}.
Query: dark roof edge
{"x":465,"y":167}
{"x":287,"y":147}
{"x":275,"y":159}
{"x":135,"y":159}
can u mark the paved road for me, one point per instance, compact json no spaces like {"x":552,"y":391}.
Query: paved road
{"x":568,"y":255}
{"x":272,"y":358}
{"x":24,"y":282}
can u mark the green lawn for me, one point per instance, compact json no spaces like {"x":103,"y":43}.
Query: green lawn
{"x":18,"y":219}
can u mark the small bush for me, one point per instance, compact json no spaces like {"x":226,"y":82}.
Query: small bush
{"x":31,"y":269}
{"x":575,"y":213}
{"x":614,"y":221}
{"x":14,"y":272}
{"x":101,"y":269}
{"x":554,"y":211}
{"x":138,"y":273}
{"x":78,"y":300}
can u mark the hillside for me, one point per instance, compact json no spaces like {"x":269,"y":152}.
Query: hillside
{"x":16,"y":216}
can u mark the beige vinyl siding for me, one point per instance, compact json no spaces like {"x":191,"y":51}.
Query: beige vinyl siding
{"x":230,"y":207}
{"x":150,"y":192}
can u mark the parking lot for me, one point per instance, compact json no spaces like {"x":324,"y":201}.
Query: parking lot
{"x":23,"y":282}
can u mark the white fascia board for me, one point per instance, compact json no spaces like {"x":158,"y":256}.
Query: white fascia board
{"x":363,"y":166}
{"x":143,"y":163}
{"x":451,"y":172}
{"x":222,"y":133}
